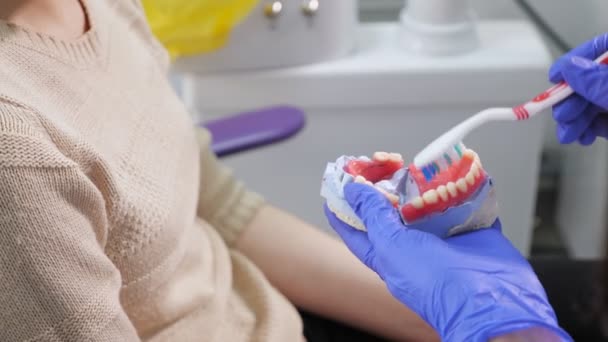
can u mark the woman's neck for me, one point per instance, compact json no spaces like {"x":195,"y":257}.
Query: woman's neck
{"x":64,"y":19}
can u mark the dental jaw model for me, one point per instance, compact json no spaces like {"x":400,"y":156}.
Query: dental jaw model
{"x":454,"y":196}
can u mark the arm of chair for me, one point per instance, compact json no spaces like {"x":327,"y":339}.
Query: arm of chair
{"x":249,"y":130}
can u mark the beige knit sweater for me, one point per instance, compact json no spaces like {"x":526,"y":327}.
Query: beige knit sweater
{"x":104,"y":234}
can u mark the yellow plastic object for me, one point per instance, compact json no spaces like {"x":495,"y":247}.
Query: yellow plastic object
{"x":189,"y":27}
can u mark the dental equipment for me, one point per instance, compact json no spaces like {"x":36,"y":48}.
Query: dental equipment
{"x":439,"y":27}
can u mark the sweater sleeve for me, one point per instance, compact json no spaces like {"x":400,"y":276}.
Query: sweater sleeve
{"x":56,"y":283}
{"x":223,"y":200}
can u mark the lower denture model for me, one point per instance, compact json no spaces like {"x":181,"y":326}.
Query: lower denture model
{"x":455,"y":196}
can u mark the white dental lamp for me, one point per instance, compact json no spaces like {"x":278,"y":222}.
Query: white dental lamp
{"x":438,"y":27}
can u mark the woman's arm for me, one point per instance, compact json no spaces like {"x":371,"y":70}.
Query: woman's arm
{"x":318,"y":273}
{"x":56,"y":282}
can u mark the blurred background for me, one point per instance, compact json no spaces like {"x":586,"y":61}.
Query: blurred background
{"x":392,"y":75}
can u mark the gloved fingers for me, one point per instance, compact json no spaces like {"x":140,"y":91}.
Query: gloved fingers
{"x":561,"y":132}
{"x":599,"y":126}
{"x":588,"y":79}
{"x":356,"y":241}
{"x":571,"y":131}
{"x":587,"y":138}
{"x":376,"y":211}
{"x":590,"y":50}
{"x":600,"y":45}
{"x":570,"y":108}
{"x":555,"y":71}
{"x":489,"y":243}
{"x":496,"y":231}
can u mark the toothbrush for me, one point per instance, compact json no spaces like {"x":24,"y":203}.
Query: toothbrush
{"x":436,"y":149}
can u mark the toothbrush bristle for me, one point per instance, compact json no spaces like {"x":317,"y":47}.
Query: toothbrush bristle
{"x":449,"y":157}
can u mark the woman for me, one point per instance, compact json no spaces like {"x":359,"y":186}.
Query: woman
{"x":118,"y":224}
{"x":477,"y":286}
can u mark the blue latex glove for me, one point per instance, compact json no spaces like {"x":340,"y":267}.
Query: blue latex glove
{"x":580,"y":116}
{"x":469,"y":287}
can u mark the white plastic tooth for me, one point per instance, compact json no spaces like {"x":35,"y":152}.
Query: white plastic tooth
{"x":475,"y":170}
{"x":381,"y":189}
{"x":442,"y":190}
{"x":461,"y":184}
{"x":470,"y":153}
{"x":391,"y":197}
{"x":430,"y":197}
{"x":369,"y":183}
{"x":451,"y":186}
{"x":417,"y":202}
{"x":381,"y":156}
{"x":470,"y":178}
{"x":396,"y":157}
{"x":360,"y":179}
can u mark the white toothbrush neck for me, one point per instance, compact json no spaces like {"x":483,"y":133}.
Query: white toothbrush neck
{"x":458,"y":132}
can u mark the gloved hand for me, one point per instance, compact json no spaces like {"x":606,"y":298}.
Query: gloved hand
{"x":580,"y":117}
{"x":470,"y":287}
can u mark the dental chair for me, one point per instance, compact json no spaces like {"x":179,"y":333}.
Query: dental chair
{"x":254,"y":129}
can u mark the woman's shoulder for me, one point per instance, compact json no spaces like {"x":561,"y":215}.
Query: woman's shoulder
{"x":24,"y":141}
{"x":18,"y":118}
